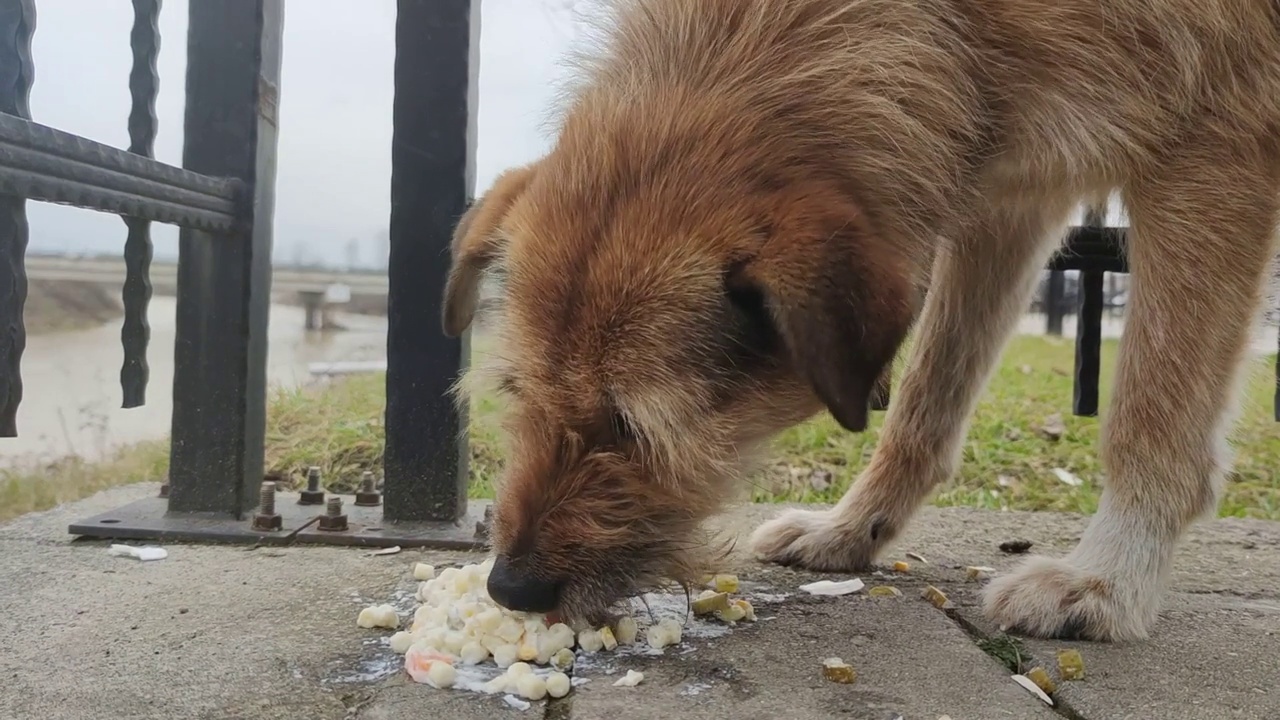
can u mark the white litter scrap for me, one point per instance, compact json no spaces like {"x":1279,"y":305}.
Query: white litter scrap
{"x":1066,"y":478}
{"x":831,"y":587}
{"x":1032,"y":688}
{"x":516,"y":702}
{"x":631,"y":679}
{"x":144,"y":554}
{"x":393,"y":550}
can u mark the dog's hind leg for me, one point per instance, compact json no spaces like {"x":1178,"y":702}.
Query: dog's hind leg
{"x":981,"y":283}
{"x":1204,"y":227}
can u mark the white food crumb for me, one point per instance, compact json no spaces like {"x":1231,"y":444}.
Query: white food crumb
{"x":627,"y":631}
{"x":631,"y":679}
{"x":442,"y":675}
{"x":400,"y":642}
{"x":531,"y":687}
{"x":589,"y":641}
{"x":518,"y":669}
{"x":423,"y":571}
{"x":558,"y":685}
{"x":378,"y":616}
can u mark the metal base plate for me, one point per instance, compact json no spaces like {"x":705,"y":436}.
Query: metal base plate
{"x":150,"y":519}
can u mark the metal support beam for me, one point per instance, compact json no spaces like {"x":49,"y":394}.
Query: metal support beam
{"x":46,"y":164}
{"x":224,"y":282}
{"x":432,"y":179}
{"x":1088,"y":366}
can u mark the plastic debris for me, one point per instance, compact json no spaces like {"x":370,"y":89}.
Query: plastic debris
{"x":1031,"y":687}
{"x":145,"y":553}
{"x":1066,"y":478}
{"x":631,"y":679}
{"x":831,"y":587}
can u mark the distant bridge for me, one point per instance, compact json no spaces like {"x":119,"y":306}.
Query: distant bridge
{"x":164,"y":275}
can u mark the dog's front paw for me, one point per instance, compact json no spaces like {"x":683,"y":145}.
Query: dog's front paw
{"x":1049,"y":598}
{"x":819,"y":540}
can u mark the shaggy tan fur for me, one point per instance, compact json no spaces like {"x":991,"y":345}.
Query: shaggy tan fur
{"x":751,"y":202}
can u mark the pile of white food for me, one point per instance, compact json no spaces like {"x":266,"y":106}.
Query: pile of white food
{"x":458,"y":627}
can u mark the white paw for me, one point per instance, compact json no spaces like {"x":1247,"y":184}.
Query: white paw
{"x":816,"y":540}
{"x":1048,"y":598}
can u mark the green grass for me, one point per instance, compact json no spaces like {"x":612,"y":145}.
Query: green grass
{"x":1007,"y":462}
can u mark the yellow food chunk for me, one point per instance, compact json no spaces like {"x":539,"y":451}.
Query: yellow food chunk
{"x":607,"y":638}
{"x":884,"y":591}
{"x":1042,"y":680}
{"x":1070,"y":665}
{"x":936,"y":596}
{"x":710,"y":602}
{"x":748,"y":612}
{"x":562,"y":660}
{"x":976,"y":573}
{"x":901,"y":566}
{"x":725,"y":583}
{"x":731,"y":613}
{"x":838,"y":671}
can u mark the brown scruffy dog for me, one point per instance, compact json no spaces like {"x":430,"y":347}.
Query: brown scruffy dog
{"x":736,"y":229}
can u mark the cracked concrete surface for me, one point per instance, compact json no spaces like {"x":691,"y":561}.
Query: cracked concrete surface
{"x":231,"y":632}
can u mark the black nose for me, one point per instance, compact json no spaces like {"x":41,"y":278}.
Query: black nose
{"x":517,"y":590}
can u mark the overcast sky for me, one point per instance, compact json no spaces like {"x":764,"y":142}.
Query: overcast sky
{"x":335,"y":110}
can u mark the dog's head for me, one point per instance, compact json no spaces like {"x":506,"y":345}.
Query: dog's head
{"x":665,"y":307}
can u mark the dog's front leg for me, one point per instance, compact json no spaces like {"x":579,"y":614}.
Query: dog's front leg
{"x":1202,"y":237}
{"x":980,"y":287}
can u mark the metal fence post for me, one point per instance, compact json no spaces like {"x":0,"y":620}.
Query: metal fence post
{"x":1088,"y":365}
{"x":224,"y":280}
{"x":432,"y":178}
{"x":1054,"y":307}
{"x":17,"y":72}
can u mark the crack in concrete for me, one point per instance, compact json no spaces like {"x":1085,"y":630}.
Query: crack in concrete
{"x":978,"y":635}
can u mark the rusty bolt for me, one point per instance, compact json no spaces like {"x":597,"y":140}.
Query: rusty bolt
{"x":368,"y":495}
{"x":267,"y":519}
{"x":313,"y":495}
{"x":333,"y":519}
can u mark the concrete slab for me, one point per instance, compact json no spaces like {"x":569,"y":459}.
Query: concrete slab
{"x":912,"y":662}
{"x":229,"y":632}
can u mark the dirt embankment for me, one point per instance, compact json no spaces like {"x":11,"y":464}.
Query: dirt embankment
{"x":57,"y":306}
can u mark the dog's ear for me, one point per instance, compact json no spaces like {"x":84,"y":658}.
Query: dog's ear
{"x":840,"y":300}
{"x":476,"y":244}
